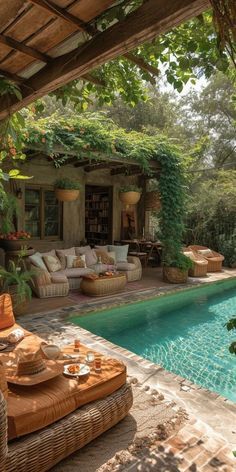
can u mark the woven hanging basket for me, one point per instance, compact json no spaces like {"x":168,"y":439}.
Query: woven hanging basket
{"x":64,"y":195}
{"x":129,"y":198}
{"x":174,"y":275}
{"x":152,"y":201}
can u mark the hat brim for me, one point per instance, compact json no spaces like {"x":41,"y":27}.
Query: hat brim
{"x":52,"y":370}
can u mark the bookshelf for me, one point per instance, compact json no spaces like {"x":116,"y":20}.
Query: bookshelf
{"x":98,"y":214}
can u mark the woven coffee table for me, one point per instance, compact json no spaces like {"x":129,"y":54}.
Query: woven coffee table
{"x":104,"y":285}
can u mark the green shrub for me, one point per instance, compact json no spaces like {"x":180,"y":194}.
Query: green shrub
{"x":67,"y":184}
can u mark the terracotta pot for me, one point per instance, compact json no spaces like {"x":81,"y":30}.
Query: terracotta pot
{"x":19,"y":306}
{"x":152,"y":200}
{"x":64,"y":195}
{"x":129,"y":198}
{"x":174,"y":275}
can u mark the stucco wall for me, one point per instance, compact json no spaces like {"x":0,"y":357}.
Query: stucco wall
{"x":44,"y":173}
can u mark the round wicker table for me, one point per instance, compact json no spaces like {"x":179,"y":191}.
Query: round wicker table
{"x":103,"y":285}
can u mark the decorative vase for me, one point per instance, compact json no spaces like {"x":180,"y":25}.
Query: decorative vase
{"x":152,"y":200}
{"x":64,"y":195}
{"x":174,"y":275}
{"x":129,"y":198}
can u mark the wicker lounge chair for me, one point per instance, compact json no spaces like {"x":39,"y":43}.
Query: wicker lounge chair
{"x":39,"y":451}
{"x":200,"y":264}
{"x":214,"y":259}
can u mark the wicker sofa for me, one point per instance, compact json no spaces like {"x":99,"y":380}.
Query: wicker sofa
{"x":214,"y":259}
{"x":200,"y":264}
{"x":52,"y":284}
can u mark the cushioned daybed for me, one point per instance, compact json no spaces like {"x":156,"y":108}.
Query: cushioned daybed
{"x":42,"y":424}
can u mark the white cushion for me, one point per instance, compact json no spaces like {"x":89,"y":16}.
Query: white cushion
{"x":71,"y":273}
{"x":125,"y":266}
{"x":120,"y":251}
{"x":37,"y":261}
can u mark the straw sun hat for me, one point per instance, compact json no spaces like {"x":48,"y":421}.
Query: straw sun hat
{"x":32,"y":369}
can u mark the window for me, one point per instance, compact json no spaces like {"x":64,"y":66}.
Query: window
{"x":42,"y":213}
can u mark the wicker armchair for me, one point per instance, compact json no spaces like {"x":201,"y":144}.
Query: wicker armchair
{"x":200,"y":264}
{"x":38,"y":452}
{"x":214,"y":261}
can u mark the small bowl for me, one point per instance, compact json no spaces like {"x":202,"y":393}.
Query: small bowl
{"x":50,"y":351}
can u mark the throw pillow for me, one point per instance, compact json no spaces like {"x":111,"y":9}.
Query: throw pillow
{"x":37,"y":260}
{"x":188,"y":253}
{"x":112,"y":254}
{"x":205,"y":252}
{"x":102,"y":248}
{"x":90,"y":254}
{"x":75,"y":261}
{"x":41,"y":277}
{"x":6,"y":313}
{"x":62,"y":253}
{"x":105,"y":257}
{"x":52,"y":262}
{"x":120,"y":251}
{"x":80,"y":262}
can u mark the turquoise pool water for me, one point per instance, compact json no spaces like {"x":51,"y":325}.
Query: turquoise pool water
{"x":183,"y":332}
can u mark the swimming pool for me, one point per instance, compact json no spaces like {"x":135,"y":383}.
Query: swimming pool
{"x":184,"y":332}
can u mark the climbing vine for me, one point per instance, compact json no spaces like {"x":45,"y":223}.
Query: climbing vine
{"x":93,"y":135}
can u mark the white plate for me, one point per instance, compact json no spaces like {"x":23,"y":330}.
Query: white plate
{"x":3,"y":346}
{"x":84,"y":370}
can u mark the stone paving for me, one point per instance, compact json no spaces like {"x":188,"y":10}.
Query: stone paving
{"x":206,"y":442}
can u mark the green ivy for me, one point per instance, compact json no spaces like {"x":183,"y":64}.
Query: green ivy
{"x":93,"y":135}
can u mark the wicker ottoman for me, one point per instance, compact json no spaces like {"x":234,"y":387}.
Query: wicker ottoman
{"x":104,"y":285}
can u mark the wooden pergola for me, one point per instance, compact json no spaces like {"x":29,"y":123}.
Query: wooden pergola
{"x":45,"y":44}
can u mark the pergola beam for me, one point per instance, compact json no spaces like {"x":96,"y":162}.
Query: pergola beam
{"x":93,"y":80}
{"x":101,"y":165}
{"x":59,"y":12}
{"x":142,"y":64}
{"x":131,"y":170}
{"x":13,"y":77}
{"x":21,"y":47}
{"x":144,"y":24}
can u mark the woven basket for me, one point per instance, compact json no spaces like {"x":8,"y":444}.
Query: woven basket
{"x":3,"y":381}
{"x":129,"y":198}
{"x":19,"y":306}
{"x":152,"y":201}
{"x":64,"y":195}
{"x":174,"y":275}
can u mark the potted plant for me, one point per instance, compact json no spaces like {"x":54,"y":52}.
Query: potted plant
{"x":175,"y":270}
{"x":15,"y":281}
{"x":153,"y":197}
{"x":66,"y":190}
{"x":130,"y":194}
{"x":14,"y":240}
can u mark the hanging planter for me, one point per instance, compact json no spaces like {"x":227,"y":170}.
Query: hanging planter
{"x":130,"y":195}
{"x":152,"y":201}
{"x":67,"y":190}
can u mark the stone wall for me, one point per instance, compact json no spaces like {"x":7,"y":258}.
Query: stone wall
{"x":44,"y":173}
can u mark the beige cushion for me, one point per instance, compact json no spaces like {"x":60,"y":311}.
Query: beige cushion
{"x":125,"y":266}
{"x":49,"y":253}
{"x":205,"y":252}
{"x":104,"y":256}
{"x":102,"y":248}
{"x":70,"y":273}
{"x":37,"y":260}
{"x":75,"y":261}
{"x":90,"y":254}
{"x":188,"y":253}
{"x":42,"y":277}
{"x":52,"y":262}
{"x":58,"y":278}
{"x":62,"y":253}
{"x":113,"y":255}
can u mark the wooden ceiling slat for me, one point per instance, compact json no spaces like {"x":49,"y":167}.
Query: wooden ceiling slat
{"x":51,"y":7}
{"x":14,"y":77}
{"x":12,"y":43}
{"x":131,"y":170}
{"x":149,"y":20}
{"x":30,"y":21}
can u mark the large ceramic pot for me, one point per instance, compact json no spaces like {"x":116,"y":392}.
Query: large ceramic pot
{"x":152,"y":201}
{"x":174,"y":275}
{"x":64,"y":195}
{"x":19,"y":304}
{"x":14,"y":244}
{"x":129,"y":198}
